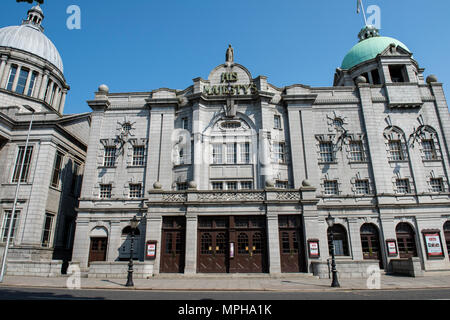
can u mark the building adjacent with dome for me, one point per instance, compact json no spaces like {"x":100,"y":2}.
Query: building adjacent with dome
{"x":236,"y":175}
{"x":229,"y":175}
{"x":33,"y":86}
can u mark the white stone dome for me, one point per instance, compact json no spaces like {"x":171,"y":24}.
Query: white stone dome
{"x":31,"y":39}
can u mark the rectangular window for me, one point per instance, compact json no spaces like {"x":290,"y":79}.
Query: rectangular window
{"x":231,"y":153}
{"x":396,"y":151}
{"x":326,"y":152}
{"x":403,"y":186}
{"x":110,"y":157}
{"x":398,"y":73}
{"x":57,"y":169}
{"x":75,"y":176}
{"x":12,"y":76}
{"x":280,"y":152}
{"x":231,"y":185}
{"x":47,"y":232}
{"x":6,"y":222}
{"x":362,"y":187}
{"x":138,"y":156}
{"x":182,"y":186}
{"x":356,"y":151}
{"x":376,"y":77}
{"x":23,"y":77}
{"x":277,"y":122}
{"x":245,"y":153}
{"x":331,"y":187}
{"x":429,"y":150}
{"x":279,"y":184}
{"x":135,"y":191}
{"x":32,"y":83}
{"x":217,"y":154}
{"x":26,"y":164}
{"x":52,"y":97}
{"x":217,"y":185}
{"x":246,"y":185}
{"x":185,"y":123}
{"x":105,"y":191}
{"x":437,"y":185}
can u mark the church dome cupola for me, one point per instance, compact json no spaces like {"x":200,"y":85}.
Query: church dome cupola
{"x":35,"y":17}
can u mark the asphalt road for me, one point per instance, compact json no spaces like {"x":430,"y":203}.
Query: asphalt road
{"x":9,"y":293}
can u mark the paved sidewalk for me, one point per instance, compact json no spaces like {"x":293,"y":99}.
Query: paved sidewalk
{"x":283,"y":283}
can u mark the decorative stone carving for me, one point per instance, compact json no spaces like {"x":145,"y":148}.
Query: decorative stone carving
{"x":231,"y":196}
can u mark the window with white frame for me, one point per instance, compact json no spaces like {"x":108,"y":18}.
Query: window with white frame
{"x":356,"y":151}
{"x":109,"y":159}
{"x":231,"y":153}
{"x":279,"y":149}
{"x":396,"y":150}
{"x":437,"y":185}
{"x":185,"y":123}
{"x":246,"y":185}
{"x":245,"y":152}
{"x":429,"y":149}
{"x":282,"y":184}
{"x":402,"y":186}
{"x":217,"y":153}
{"x":277,"y":122}
{"x":182,"y":186}
{"x":47,"y":231}
{"x":7,"y":214}
{"x":138,"y":156}
{"x":135,"y":190}
{"x":232,"y":185}
{"x":217,"y":185}
{"x":57,"y":168}
{"x":362,"y":187}
{"x":26,"y":164}
{"x":326,"y":151}
{"x":105,"y":191}
{"x":331,"y":187}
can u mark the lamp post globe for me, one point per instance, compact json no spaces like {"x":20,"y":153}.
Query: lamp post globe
{"x":133,"y":225}
{"x":335,"y":283}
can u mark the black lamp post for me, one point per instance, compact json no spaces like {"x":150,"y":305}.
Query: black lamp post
{"x":335,"y":283}
{"x":133,"y":224}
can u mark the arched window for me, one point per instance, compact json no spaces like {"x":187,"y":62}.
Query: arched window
{"x":447,"y":236}
{"x":125,"y":249}
{"x":370,"y":242}
{"x":340,"y":240}
{"x":395,"y":139}
{"x":406,"y":240}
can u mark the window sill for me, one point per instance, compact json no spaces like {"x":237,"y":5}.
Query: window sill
{"x":432,"y":160}
{"x":103,"y":167}
{"x":398,"y":161}
{"x":325,"y":163}
{"x":55,"y":188}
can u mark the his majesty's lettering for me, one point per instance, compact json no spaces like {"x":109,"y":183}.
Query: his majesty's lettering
{"x":227,"y":88}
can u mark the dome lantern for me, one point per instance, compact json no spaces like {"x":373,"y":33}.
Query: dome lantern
{"x":35,"y":17}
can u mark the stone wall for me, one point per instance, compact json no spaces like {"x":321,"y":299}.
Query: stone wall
{"x":350,"y":269}
{"x":119,"y":270}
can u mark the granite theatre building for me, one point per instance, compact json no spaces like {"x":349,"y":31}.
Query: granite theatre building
{"x":236,"y":175}
{"x":33,"y":87}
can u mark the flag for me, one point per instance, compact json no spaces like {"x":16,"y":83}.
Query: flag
{"x":358,"y":6}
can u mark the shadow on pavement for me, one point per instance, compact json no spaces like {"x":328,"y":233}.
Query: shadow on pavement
{"x":39,"y":294}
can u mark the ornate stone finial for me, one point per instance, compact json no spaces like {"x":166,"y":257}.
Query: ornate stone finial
{"x":367,"y":32}
{"x":103,"y":89}
{"x":306,"y":183}
{"x":192,"y":185}
{"x":432,"y":78}
{"x":230,"y":54}
{"x":361,"y":79}
{"x":157,"y":185}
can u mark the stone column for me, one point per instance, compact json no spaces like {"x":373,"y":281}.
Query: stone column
{"x":114,"y":241}
{"x":81,"y":242}
{"x":62,"y":102}
{"x":355,"y":238}
{"x":273,"y":240}
{"x":27,"y":84}
{"x":16,"y":79}
{"x":44,"y":84}
{"x":37,"y":86}
{"x":154,"y":232}
{"x":2,"y":68}
{"x":191,"y":245}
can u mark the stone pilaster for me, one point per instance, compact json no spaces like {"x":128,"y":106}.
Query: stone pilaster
{"x":191,"y":245}
{"x":273,"y":239}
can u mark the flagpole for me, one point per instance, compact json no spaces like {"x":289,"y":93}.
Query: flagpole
{"x":364,"y":12}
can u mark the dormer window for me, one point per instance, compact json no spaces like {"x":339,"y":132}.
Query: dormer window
{"x":398,"y":73}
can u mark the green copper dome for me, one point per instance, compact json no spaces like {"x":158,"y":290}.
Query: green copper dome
{"x":369,"y":47}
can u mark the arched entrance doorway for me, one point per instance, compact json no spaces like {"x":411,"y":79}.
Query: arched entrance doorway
{"x":99,"y":245}
{"x":370,"y":242}
{"x":406,"y":239}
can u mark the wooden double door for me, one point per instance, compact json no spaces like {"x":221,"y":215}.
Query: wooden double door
{"x":173,"y":245}
{"x":98,"y":250}
{"x":292,"y":253}
{"x":232,"y":244}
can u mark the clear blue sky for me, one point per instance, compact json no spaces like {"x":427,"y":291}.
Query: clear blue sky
{"x":141,"y":45}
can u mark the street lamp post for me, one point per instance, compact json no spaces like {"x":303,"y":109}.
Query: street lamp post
{"x":134,"y":224}
{"x":335,"y":283}
{"x":19,"y":180}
